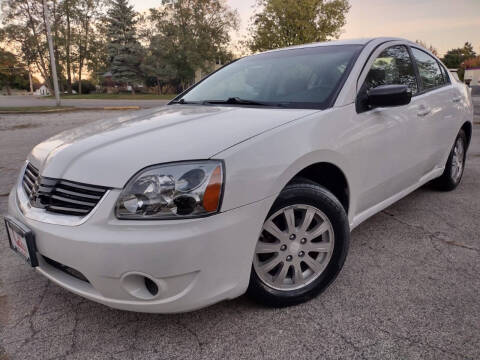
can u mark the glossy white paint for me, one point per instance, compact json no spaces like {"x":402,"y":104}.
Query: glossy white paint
{"x":149,"y":137}
{"x":384,"y":154}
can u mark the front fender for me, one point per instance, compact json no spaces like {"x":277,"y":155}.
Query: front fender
{"x":261,"y":167}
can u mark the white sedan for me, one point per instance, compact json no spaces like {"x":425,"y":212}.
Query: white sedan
{"x":250,"y":181}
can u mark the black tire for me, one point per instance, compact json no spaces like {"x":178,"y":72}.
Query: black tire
{"x":305,"y":192}
{"x":447,"y":181}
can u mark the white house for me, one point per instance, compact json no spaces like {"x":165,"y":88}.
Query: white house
{"x":199,"y":74}
{"x":472,"y":77}
{"x":42,"y":91}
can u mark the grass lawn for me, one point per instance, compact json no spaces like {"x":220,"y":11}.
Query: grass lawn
{"x":120,"y":96}
{"x":34,"y":109}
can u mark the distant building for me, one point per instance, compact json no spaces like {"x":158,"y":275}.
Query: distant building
{"x":111,"y":86}
{"x":454,"y":73}
{"x":42,"y":91}
{"x":199,"y":74}
{"x":472,"y":78}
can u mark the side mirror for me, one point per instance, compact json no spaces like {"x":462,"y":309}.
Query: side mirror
{"x":388,"y":96}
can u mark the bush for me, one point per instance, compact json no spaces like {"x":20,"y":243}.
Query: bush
{"x":87,"y":87}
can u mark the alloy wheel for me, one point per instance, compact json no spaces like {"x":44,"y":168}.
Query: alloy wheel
{"x":294,"y":248}
{"x":458,"y":160}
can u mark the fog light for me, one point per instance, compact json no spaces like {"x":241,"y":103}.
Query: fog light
{"x":151,"y":286}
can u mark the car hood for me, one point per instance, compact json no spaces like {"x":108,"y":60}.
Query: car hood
{"x":109,"y":152}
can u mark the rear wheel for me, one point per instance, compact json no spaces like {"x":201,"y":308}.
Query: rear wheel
{"x":302,"y":246}
{"x":452,"y":175}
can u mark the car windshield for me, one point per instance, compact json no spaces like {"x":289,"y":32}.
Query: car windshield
{"x":299,"y":78}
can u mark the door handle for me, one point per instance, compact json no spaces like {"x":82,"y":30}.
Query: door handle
{"x":424,"y":112}
{"x":457,"y":99}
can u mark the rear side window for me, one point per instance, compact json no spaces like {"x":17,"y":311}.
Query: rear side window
{"x":445,"y":74}
{"x":392,"y":67}
{"x":429,"y":70}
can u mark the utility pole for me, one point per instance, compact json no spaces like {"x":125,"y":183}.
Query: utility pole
{"x":30,"y":80}
{"x":52,"y":55}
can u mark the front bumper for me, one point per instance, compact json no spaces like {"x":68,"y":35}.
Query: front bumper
{"x":194,"y":262}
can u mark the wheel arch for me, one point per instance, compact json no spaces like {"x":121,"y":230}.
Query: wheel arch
{"x":330,"y":176}
{"x":467,"y":128}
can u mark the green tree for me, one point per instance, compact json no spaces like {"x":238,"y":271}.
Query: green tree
{"x":188,"y":35}
{"x":156,"y":65}
{"x":455,"y":57}
{"x":24,"y":29}
{"x":13,"y":74}
{"x":281,"y":23}
{"x":68,"y":10}
{"x":124,"y":49}
{"x":88,"y":13}
{"x":430,"y":48}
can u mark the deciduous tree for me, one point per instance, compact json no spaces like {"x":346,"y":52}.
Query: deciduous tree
{"x":455,"y":57}
{"x":13,"y":74}
{"x":24,"y":28}
{"x":281,"y":23}
{"x":188,"y":35}
{"x":430,"y":48}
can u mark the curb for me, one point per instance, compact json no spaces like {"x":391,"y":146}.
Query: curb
{"x":46,"y":111}
{"x":121,"y":108}
{"x":69,"y":109}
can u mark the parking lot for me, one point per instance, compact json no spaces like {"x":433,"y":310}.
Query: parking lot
{"x":410,"y":288}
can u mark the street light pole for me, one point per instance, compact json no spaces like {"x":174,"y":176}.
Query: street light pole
{"x":52,"y":55}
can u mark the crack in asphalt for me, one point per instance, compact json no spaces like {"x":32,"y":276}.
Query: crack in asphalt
{"x":424,"y":344}
{"x":394,"y":335}
{"x":433,"y":236}
{"x":73,"y":345}
{"x":30,"y":316}
{"x":193,"y":333}
{"x":358,"y":349}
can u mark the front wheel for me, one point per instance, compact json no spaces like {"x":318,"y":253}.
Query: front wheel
{"x":455,"y":166}
{"x":302,"y":246}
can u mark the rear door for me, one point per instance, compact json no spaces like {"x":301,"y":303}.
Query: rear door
{"x":437,"y":109}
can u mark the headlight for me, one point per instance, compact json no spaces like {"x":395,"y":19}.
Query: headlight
{"x":172,"y":191}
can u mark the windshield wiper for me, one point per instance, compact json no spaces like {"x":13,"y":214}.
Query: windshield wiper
{"x":182,"y":101}
{"x":237,"y":101}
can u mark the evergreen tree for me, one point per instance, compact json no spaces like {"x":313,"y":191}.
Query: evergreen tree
{"x":124,"y":49}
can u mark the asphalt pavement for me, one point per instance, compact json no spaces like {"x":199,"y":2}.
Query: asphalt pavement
{"x":410,"y":288}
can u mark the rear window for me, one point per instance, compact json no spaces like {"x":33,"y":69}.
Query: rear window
{"x":430,"y":72}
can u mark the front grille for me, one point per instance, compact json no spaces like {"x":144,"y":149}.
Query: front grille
{"x":60,"y":196}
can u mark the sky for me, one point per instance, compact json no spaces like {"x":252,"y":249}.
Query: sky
{"x":445,"y":24}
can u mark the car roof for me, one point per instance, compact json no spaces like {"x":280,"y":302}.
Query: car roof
{"x":360,"y":41}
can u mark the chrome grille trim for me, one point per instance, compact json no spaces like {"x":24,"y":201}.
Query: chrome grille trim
{"x":68,"y":192}
{"x":60,"y":196}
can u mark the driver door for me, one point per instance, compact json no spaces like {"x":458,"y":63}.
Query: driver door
{"x":390,"y":134}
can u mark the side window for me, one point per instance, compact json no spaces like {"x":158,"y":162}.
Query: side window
{"x":392,"y":67}
{"x":445,"y":74}
{"x":430,"y":72}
